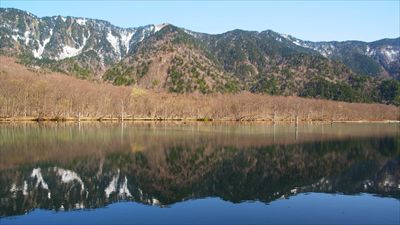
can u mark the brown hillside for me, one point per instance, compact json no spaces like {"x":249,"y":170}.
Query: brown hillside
{"x":27,"y":93}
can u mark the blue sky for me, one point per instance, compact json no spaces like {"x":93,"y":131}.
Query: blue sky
{"x":308,"y":20}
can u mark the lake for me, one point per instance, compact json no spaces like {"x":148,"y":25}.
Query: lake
{"x":199,"y":173}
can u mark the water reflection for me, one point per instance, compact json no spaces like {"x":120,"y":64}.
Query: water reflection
{"x":71,"y":166}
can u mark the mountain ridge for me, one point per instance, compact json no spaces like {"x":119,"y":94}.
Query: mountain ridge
{"x":266,"y":61}
{"x":304,"y":43}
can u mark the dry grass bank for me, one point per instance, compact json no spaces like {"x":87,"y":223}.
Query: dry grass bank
{"x":28,"y":94}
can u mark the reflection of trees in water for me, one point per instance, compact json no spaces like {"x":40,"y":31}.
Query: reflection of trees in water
{"x":38,"y":142}
{"x":177,"y":171}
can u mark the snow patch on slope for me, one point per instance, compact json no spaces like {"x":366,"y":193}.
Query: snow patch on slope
{"x":101,"y":58}
{"x":145,"y":31}
{"x":297,"y":42}
{"x":81,"y":22}
{"x":69,"y":51}
{"x":285,"y":36}
{"x":324,"y":49}
{"x":390,"y":54}
{"x":37,"y":53}
{"x":26,"y":36}
{"x":114,"y":41}
{"x":158,"y":27}
{"x":15,"y":37}
{"x":126,"y":38}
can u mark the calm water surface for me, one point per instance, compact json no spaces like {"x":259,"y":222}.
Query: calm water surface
{"x":202,"y":173}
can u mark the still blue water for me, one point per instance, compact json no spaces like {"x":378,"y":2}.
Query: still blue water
{"x":314,"y":208}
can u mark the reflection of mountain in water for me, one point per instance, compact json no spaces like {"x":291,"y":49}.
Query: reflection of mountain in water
{"x":178,"y":172}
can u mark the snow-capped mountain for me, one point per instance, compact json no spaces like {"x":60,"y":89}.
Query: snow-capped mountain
{"x":179,"y":60}
{"x":361,"y":57}
{"x":388,"y":49}
{"x":60,"y":37}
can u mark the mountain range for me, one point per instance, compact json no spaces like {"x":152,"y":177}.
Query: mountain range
{"x":166,"y":57}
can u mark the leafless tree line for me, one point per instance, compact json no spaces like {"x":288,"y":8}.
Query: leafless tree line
{"x":51,"y":96}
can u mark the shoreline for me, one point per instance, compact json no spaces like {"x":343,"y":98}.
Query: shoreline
{"x":142,"y":119}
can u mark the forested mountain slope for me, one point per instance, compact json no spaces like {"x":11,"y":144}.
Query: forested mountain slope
{"x":166,"y":57}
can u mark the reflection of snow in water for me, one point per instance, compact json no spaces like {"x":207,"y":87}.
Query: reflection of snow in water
{"x":69,"y":176}
{"x":25,"y":189}
{"x":112,"y":187}
{"x":155,"y":201}
{"x":124,"y":191}
{"x":36,"y":173}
